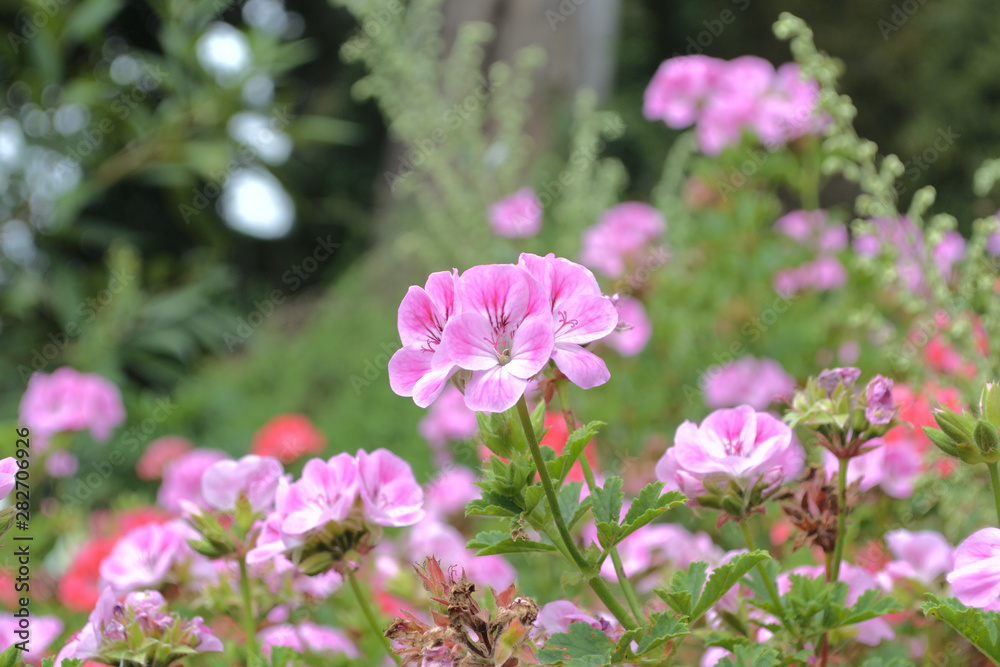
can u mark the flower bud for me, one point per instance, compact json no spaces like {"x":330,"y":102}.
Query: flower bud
{"x":941,"y":441}
{"x":989,"y":404}
{"x":957,"y":427}
{"x":317,"y":563}
{"x":732,"y":506}
{"x":987,"y":438}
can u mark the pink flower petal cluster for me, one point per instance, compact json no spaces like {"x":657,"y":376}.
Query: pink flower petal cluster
{"x":518,"y":215}
{"x":159,"y":453}
{"x":726,"y":98}
{"x":146,"y":556}
{"x":634,"y":328}
{"x":44,"y":631}
{"x":812,"y":230}
{"x":447,"y":420}
{"x":500,"y":324}
{"x":434,"y":537}
{"x":748,"y":380}
{"x":67,"y":401}
{"x":182,"y":479}
{"x":646,"y":552}
{"x":738,"y":444}
{"x":377,"y":487}
{"x":8,"y":475}
{"x":556,"y":617}
{"x":307,"y":637}
{"x":623,"y":237}
{"x":923,"y":555}
{"x":975,"y":581}
{"x":256,"y":477}
{"x":148,"y":622}
{"x":892,"y":466}
{"x":907,"y":242}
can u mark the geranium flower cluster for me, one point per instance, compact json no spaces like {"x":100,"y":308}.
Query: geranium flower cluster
{"x":726,"y":98}
{"x":140,"y":630}
{"x":326,"y":513}
{"x":812,"y":230}
{"x":68,"y":401}
{"x":495,"y":327}
{"x":901,"y":237}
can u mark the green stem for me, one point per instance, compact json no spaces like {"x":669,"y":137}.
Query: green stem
{"x":588,"y":475}
{"x":995,"y":480}
{"x":838,"y":551}
{"x":249,"y":623}
{"x":771,"y":590}
{"x":369,"y":615}
{"x":597,"y":584}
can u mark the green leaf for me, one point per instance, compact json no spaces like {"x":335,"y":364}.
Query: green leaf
{"x":647,"y":506}
{"x":575,"y":445}
{"x":981,"y":628}
{"x":569,"y":503}
{"x":753,"y":655}
{"x":664,"y":628}
{"x":607,"y":507}
{"x":725,"y":577}
{"x":583,"y":646}
{"x":685,"y":588}
{"x":90,"y":17}
{"x":493,"y":542}
{"x":11,"y":657}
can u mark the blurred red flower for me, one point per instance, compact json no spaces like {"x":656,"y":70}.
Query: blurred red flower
{"x":288,"y":437}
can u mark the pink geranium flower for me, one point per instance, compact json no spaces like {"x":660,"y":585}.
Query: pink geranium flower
{"x":421,"y":367}
{"x":182,"y":479}
{"x":923,"y":555}
{"x":975,"y":581}
{"x":634,"y":328}
{"x":159,"y":453}
{"x":739,"y":445}
{"x":448,"y":419}
{"x":254,"y":476}
{"x":326,"y":492}
{"x":44,"y":631}
{"x":680,"y":88}
{"x":580,"y":315}
{"x":307,"y":637}
{"x":503,"y":334}
{"x":68,"y":400}
{"x":518,"y":215}
{"x":748,"y":380}
{"x":390,"y":494}
{"x":8,"y":473}
{"x":145,"y":556}
{"x":621,"y":236}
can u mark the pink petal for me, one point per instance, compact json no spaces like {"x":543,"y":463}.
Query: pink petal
{"x":531,"y":347}
{"x":468,"y":341}
{"x":584,"y":319}
{"x":493,"y":390}
{"x":430,"y":386}
{"x":583,"y":368}
{"x":407,"y":366}
{"x":418,"y":319}
{"x":441,"y":289}
{"x":500,"y":292}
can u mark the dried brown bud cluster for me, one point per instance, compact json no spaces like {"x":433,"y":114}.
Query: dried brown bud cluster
{"x":813,"y":511}
{"x":464,"y":634}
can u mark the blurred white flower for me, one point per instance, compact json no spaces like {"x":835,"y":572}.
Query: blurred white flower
{"x":224,"y":52}
{"x":255,"y":203}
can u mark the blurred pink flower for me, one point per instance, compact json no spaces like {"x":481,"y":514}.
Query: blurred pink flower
{"x":787,"y":110}
{"x":182,"y":479}
{"x":822,"y":274}
{"x":975,"y":581}
{"x":802,"y":226}
{"x":740,"y":445}
{"x":879,"y":407}
{"x":8,"y":472}
{"x":59,"y":464}
{"x":907,"y":241}
{"x":446,"y":420}
{"x":503,"y":334}
{"x":580,"y":315}
{"x":748,"y":380}
{"x":646,"y":552}
{"x":326,"y":492}
{"x":307,"y":637}
{"x":450,"y":492}
{"x":68,"y":400}
{"x":634,"y":328}
{"x":144,"y":557}
{"x":390,"y":494}
{"x":421,"y":367}
{"x":556,"y":617}
{"x":923,"y":555}
{"x":734,"y":104}
{"x":254,"y":476}
{"x":518,"y":215}
{"x":44,"y":631}
{"x":620,"y":237}
{"x":680,"y":88}
{"x":432,"y":537}
{"x":159,"y":453}
{"x":894,"y":466}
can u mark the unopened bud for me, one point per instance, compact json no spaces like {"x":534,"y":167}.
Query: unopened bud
{"x":318,"y":563}
{"x":955,"y":426}
{"x":989,"y":403}
{"x":986,"y":437}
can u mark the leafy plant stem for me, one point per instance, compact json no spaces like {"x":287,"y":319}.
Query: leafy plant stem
{"x":771,"y":590}
{"x":369,"y":615}
{"x":249,"y":624}
{"x":838,"y":550}
{"x":995,"y":482}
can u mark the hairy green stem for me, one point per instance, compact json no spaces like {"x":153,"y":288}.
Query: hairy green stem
{"x":597,"y":584}
{"x":771,"y":590}
{"x":995,"y":481}
{"x":249,"y":622}
{"x":369,"y":615}
{"x":838,"y":551}
{"x":588,"y":476}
